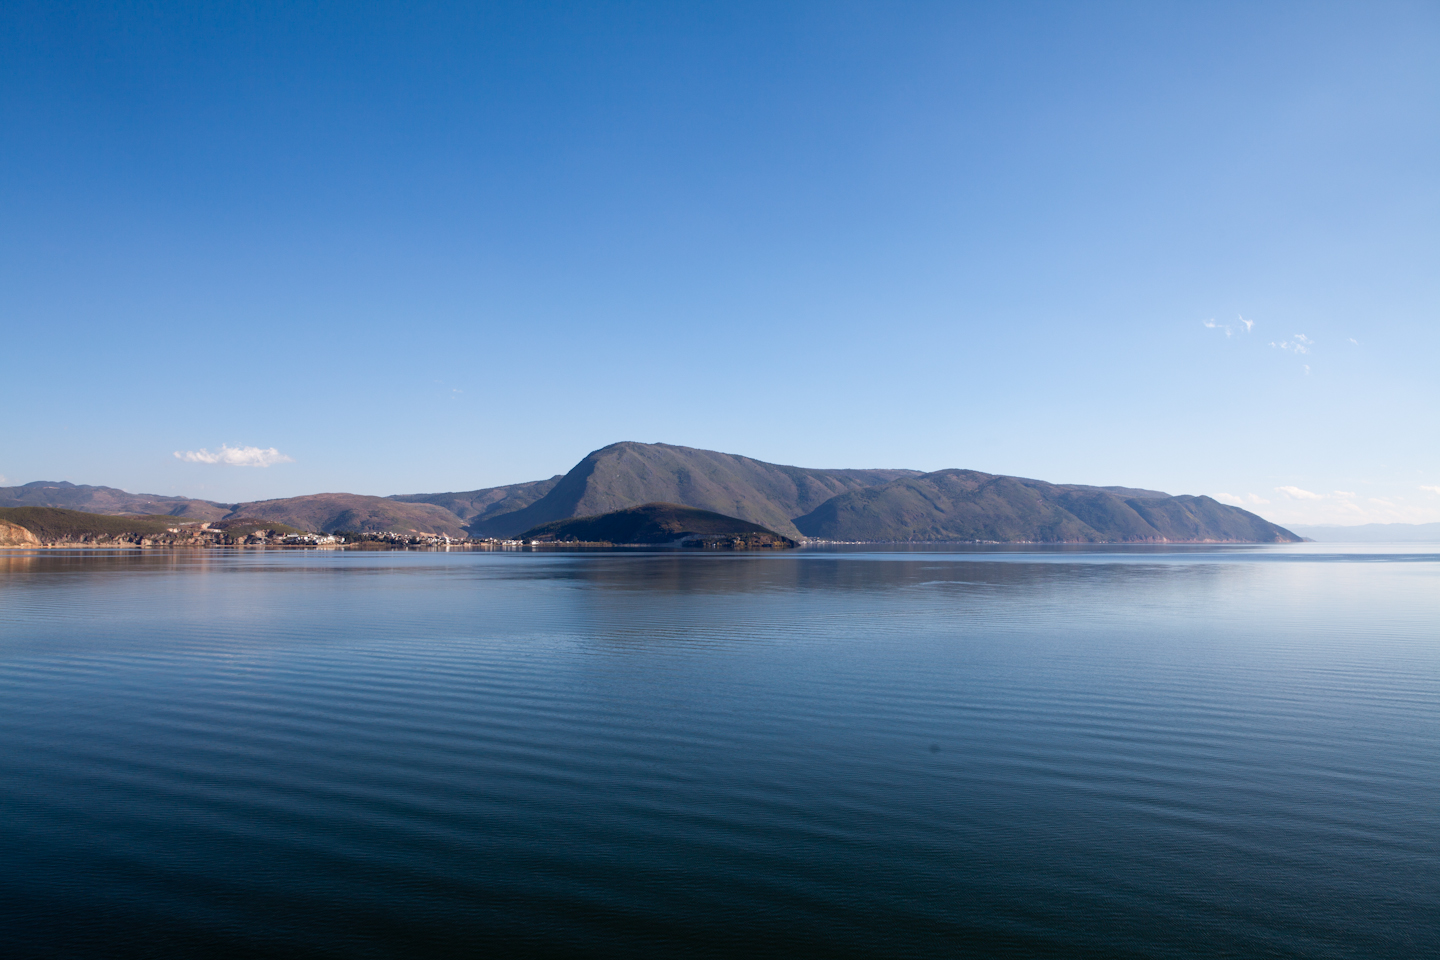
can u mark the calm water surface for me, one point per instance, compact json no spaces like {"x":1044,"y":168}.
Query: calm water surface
{"x":1033,"y":753}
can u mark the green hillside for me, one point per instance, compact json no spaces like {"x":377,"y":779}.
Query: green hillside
{"x":655,"y":523}
{"x":965,"y":505}
{"x":53,"y":523}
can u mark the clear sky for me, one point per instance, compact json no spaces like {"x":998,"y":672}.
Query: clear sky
{"x":422,"y":247}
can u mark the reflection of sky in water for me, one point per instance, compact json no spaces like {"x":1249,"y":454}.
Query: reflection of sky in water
{"x":1034,"y":751}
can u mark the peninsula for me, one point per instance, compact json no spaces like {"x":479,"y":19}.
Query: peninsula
{"x":791,"y":503}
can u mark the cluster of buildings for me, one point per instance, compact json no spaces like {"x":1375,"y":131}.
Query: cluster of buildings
{"x":426,"y":540}
{"x":204,"y":534}
{"x":406,"y":539}
{"x":247,"y":534}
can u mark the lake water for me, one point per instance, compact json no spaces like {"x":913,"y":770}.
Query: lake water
{"x":1029,"y":752}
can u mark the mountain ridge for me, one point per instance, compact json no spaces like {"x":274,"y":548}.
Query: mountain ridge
{"x":968,"y":505}
{"x":796,"y":502}
{"x":109,"y":500}
{"x":472,"y":505}
{"x":329,"y":512}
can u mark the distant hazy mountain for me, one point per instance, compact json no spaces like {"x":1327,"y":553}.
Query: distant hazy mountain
{"x":654,"y":523}
{"x":108,"y":500}
{"x":1372,"y":533}
{"x":328,"y":512}
{"x":491,"y":501}
{"x":968,"y":505}
{"x":629,"y":474}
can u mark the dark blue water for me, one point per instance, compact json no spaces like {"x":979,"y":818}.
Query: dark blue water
{"x":1044,"y":753}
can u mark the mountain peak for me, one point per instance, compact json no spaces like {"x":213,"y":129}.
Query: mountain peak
{"x":629,"y":473}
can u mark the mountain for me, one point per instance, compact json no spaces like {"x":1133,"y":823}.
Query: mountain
{"x":328,"y":512}
{"x":445,"y":513}
{"x":108,"y":500}
{"x":873,"y":505}
{"x":1372,"y":533}
{"x":628,"y":474}
{"x":491,"y":501}
{"x":656,"y":523}
{"x":421,"y":513}
{"x":969,"y":505}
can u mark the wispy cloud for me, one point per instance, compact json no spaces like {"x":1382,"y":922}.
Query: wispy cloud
{"x":1354,"y":341}
{"x":235,"y":456}
{"x":1215,"y":325}
{"x":1297,"y":344}
{"x":1249,"y":499}
{"x":1347,"y":507}
{"x":1434,"y":490}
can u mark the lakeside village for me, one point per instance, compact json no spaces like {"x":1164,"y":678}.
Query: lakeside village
{"x":254,"y":534}
{"x":58,"y":528}
{"x":259,"y":535}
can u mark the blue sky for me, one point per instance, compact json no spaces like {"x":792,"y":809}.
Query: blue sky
{"x":422,"y":247}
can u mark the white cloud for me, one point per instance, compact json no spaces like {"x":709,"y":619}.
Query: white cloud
{"x":1299,"y":343}
{"x":1229,"y":330}
{"x":5,"y":479}
{"x":1249,"y":499}
{"x":1344,"y":507}
{"x":1354,"y":341}
{"x":1435,"y":490}
{"x":1295,"y":493}
{"x":1344,"y":493}
{"x":235,"y":456}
